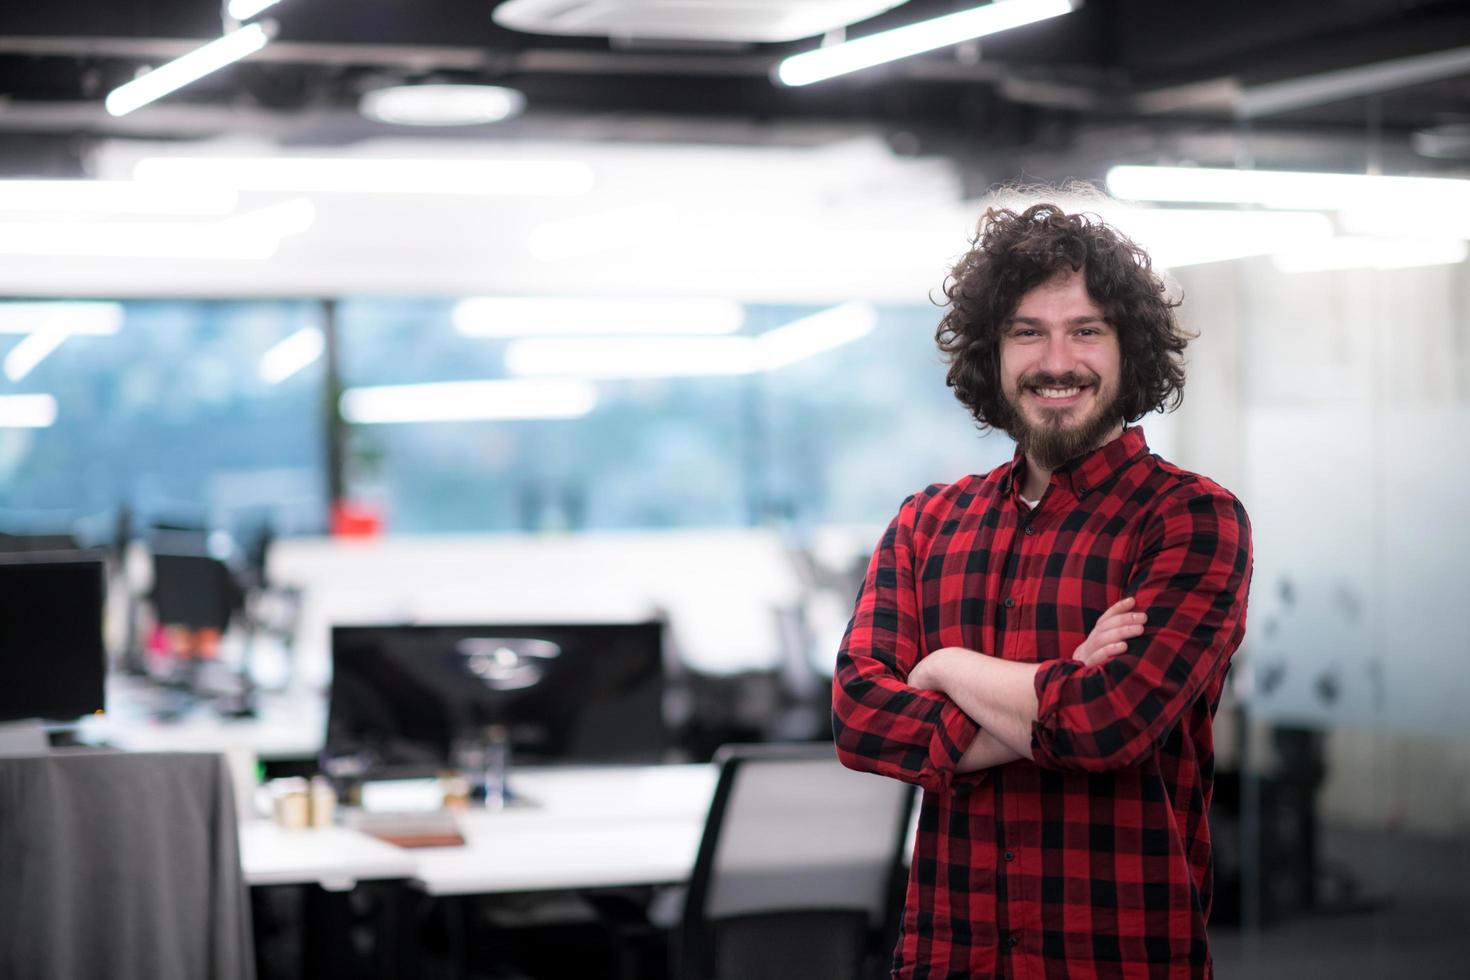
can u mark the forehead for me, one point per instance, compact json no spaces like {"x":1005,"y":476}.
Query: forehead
{"x":1062,"y":297}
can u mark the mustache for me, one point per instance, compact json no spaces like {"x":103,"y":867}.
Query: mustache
{"x":1043,"y":379}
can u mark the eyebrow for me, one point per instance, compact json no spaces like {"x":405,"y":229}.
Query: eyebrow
{"x":1074,"y":321}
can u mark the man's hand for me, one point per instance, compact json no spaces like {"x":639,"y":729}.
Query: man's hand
{"x":1110,"y":635}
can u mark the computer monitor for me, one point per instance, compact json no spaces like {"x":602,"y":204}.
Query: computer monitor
{"x":194,"y":590}
{"x":402,"y":696}
{"x":52,"y":659}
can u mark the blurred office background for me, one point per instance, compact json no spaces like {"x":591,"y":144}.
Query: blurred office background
{"x":658,"y":345}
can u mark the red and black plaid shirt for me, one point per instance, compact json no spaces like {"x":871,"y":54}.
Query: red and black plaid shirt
{"x":1093,"y":860}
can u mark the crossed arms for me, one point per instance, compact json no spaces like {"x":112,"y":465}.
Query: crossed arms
{"x":923,"y":719}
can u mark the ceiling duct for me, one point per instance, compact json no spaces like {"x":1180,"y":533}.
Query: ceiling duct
{"x":726,"y":21}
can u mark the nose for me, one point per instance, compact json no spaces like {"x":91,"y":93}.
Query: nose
{"x":1056,"y":358}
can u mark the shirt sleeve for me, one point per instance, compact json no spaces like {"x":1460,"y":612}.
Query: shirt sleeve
{"x":1191,"y":579}
{"x":879,"y":723}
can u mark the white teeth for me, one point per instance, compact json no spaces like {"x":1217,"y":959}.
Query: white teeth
{"x":1057,"y":392}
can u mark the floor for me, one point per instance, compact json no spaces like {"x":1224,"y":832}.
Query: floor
{"x":1417,"y":925}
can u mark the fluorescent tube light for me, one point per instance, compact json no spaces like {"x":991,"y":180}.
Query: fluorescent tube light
{"x":47,"y":326}
{"x":31,"y":350}
{"x":114,"y":197}
{"x":903,"y":42}
{"x":1351,"y":252}
{"x":814,"y":335}
{"x":441,"y":105}
{"x":630,"y":357}
{"x":243,"y":10}
{"x":27,"y":411}
{"x":1285,"y":189}
{"x":1178,"y":237}
{"x":686,"y":357}
{"x":520,"y":316}
{"x":540,"y":178}
{"x":195,"y":65}
{"x":468,"y":401}
{"x":75,"y":317}
{"x":292,"y":354}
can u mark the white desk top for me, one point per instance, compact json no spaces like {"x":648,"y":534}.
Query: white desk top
{"x":290,"y":725}
{"x":334,"y":857}
{"x":583,"y":828}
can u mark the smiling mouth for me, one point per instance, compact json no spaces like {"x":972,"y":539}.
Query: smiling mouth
{"x":1054,"y":394}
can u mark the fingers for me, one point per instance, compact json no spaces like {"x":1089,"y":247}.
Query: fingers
{"x":1117,"y":614}
{"x":1101,"y":654}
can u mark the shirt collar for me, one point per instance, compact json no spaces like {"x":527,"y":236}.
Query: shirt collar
{"x":1082,"y":475}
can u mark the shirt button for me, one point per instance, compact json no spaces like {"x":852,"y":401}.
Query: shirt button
{"x":1012,"y":941}
{"x":1029,"y":529}
{"x":1009,"y":602}
{"x":1084,"y":491}
{"x":1010,"y":855}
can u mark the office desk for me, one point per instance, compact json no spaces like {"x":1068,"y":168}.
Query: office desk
{"x":333,"y":857}
{"x":584,"y":828}
{"x":581,"y":828}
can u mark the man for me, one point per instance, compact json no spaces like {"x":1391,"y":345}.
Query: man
{"x":1042,"y":648}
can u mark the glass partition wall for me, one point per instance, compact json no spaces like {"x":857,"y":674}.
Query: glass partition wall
{"x":1340,"y":411}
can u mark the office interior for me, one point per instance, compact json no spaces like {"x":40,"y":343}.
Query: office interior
{"x":566,"y":435}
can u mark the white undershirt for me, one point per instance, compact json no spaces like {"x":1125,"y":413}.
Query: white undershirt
{"x":1033,"y":504}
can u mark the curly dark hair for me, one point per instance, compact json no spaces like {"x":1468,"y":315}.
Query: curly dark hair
{"x":1011,"y":254}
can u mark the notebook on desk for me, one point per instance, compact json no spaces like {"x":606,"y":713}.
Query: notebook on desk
{"x":421,"y":828}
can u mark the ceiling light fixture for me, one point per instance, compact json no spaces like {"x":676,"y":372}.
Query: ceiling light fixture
{"x":441,"y":104}
{"x":815,"y":334}
{"x":114,"y":197}
{"x":520,"y":316}
{"x":47,"y":326}
{"x":928,"y":35}
{"x":468,"y":401}
{"x":1286,"y":189}
{"x":685,"y":357}
{"x":78,"y":317}
{"x":27,"y":411}
{"x":292,"y":355}
{"x":1178,"y":237}
{"x":191,"y":67}
{"x":1362,"y":252}
{"x":370,"y":175}
{"x":243,"y":10}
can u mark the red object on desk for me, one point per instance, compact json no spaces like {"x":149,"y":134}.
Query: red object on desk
{"x":352,"y":519}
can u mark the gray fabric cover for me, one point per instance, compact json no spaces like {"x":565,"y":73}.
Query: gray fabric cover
{"x":120,"y":866}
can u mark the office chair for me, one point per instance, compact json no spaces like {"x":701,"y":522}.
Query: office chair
{"x":123,"y":866}
{"x":797,"y":871}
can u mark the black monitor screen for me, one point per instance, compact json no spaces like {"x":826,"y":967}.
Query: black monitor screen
{"x":52,"y":660}
{"x":402,"y":695}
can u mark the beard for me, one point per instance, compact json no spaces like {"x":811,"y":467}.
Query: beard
{"x":1056,"y":438}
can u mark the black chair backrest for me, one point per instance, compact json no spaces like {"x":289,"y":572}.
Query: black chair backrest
{"x":796,"y":870}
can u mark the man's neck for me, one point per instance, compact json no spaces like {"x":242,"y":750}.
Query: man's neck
{"x":1038,"y":476}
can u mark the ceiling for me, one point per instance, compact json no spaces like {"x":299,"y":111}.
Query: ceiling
{"x":711,"y":178}
{"x":1147,"y":80}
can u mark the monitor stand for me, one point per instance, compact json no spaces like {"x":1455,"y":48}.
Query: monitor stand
{"x":27,"y":737}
